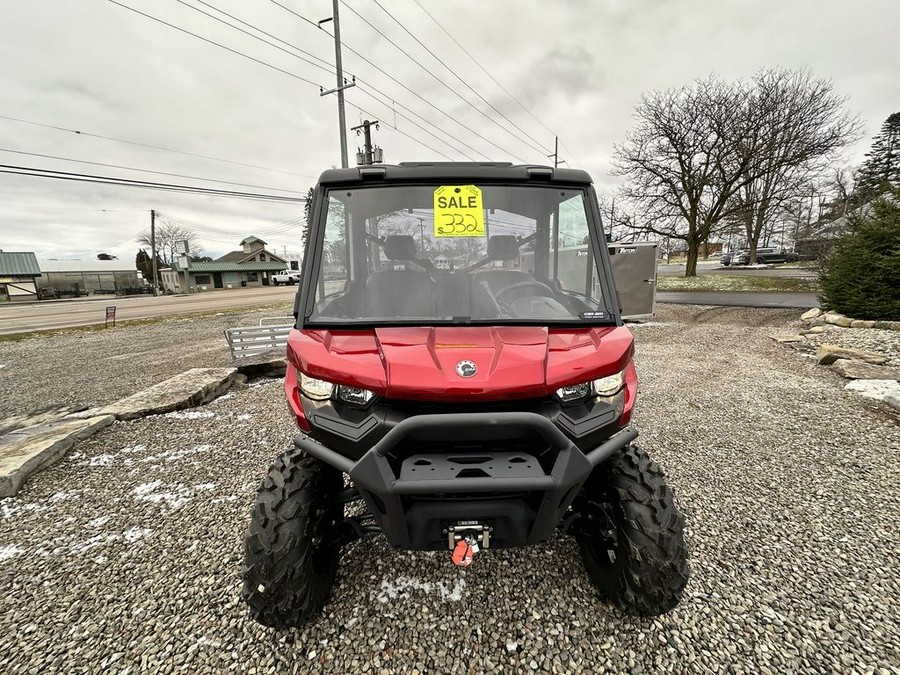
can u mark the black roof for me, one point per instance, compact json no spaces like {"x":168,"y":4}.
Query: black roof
{"x":453,"y":171}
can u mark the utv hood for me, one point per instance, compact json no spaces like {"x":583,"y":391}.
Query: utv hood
{"x":424,"y":362}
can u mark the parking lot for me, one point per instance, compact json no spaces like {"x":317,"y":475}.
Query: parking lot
{"x":126,"y":555}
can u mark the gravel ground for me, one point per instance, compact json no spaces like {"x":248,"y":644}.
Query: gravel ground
{"x":99,"y":366}
{"x":126,"y":555}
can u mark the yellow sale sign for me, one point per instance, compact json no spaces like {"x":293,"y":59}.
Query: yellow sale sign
{"x":458,"y":211}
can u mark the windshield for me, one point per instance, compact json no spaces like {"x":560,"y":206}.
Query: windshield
{"x":458,"y":254}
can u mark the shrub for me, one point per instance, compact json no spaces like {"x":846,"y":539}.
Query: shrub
{"x":861,"y":276}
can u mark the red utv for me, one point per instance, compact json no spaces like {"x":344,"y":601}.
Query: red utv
{"x":459,"y":366}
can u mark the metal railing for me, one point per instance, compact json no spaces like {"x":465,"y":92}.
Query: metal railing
{"x":253,"y":340}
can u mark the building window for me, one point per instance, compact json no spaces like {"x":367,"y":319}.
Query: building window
{"x":201,"y":279}
{"x":251,"y":276}
{"x":262,"y":257}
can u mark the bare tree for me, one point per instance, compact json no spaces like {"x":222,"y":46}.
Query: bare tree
{"x":680,"y":159}
{"x":168,"y":234}
{"x":804,"y":125}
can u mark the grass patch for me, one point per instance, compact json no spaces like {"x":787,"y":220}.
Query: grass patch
{"x":731,"y":283}
{"x":282,"y":308}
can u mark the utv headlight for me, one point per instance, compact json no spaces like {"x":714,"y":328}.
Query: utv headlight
{"x":354,"y":395}
{"x":573,"y":392}
{"x":607,"y":386}
{"x":317,"y":390}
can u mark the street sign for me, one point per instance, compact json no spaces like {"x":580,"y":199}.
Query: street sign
{"x":110,"y":315}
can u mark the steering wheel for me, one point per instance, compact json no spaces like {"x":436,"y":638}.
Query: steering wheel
{"x":543,"y":290}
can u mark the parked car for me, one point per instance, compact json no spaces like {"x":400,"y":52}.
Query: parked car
{"x":765,"y":256}
{"x":289,"y":277}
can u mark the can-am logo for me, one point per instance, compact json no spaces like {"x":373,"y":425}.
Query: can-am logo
{"x":466,"y":369}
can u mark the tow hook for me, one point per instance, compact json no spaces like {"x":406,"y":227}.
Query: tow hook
{"x":466,"y":539}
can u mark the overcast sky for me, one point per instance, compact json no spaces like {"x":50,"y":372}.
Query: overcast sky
{"x":578,"y":66}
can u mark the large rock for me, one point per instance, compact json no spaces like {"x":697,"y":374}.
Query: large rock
{"x":860,"y":323}
{"x":811,"y":314}
{"x":782,"y":338}
{"x":836,"y":319}
{"x":893,"y":401}
{"x":31,"y":448}
{"x":828,"y":354}
{"x":189,"y":389}
{"x":47,"y":414}
{"x":860,"y":370}
{"x":880,"y":390}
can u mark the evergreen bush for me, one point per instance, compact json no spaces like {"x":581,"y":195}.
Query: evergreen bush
{"x":861,"y":276}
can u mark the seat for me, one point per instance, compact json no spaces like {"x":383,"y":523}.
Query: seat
{"x":399,"y":293}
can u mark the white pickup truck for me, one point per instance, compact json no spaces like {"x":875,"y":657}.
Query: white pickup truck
{"x":289,"y":277}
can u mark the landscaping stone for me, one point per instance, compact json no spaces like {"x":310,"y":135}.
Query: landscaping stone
{"x":191,"y":388}
{"x":893,"y":401}
{"x":859,"y":370}
{"x":782,"y":338}
{"x":859,"y":323}
{"x":828,"y":354}
{"x":814,"y":330}
{"x":811,"y":314}
{"x":38,"y":416}
{"x":31,"y":448}
{"x":880,"y":390}
{"x":819,"y":321}
{"x":836,"y":319}
{"x":888,"y":325}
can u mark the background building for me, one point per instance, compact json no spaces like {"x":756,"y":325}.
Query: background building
{"x":18,"y":276}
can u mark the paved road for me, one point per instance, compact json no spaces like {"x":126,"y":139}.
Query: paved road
{"x":21,"y":318}
{"x":741,"y":299}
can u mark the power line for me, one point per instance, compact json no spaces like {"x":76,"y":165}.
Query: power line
{"x":128,"y":182}
{"x":444,"y":84}
{"x":217,"y":44}
{"x":274,"y":37}
{"x":329,"y":69}
{"x":269,"y":65}
{"x":393,"y":79}
{"x":400,"y":131}
{"x":535,"y":146}
{"x":159,"y":173}
{"x":493,"y":79}
{"x":147,"y":145}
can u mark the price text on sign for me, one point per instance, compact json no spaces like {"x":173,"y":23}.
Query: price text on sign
{"x":458,"y":211}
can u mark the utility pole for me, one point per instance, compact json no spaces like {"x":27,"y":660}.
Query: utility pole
{"x":421,"y":233}
{"x":341,"y":82}
{"x":556,"y":160}
{"x":153,"y":249}
{"x":371,"y":155}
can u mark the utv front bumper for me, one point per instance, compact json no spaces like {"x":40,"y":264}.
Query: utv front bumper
{"x":515,"y":473}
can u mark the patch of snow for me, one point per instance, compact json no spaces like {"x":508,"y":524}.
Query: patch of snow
{"x":224,"y":397}
{"x":133,"y":449}
{"x":100,"y":560}
{"x":205,"y":486}
{"x":402,"y":588}
{"x":189,"y":415}
{"x":10,"y":507}
{"x":175,"y":496}
{"x":101,"y":460}
{"x":11,"y":551}
{"x":245,"y":416}
{"x":132,"y":534}
{"x":877,"y":389}
{"x":63,"y":496}
{"x":98,"y":522}
{"x":648,"y":324}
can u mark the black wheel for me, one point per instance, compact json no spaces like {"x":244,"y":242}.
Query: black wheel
{"x":290,"y":553}
{"x":631,"y":534}
{"x":275,"y":282}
